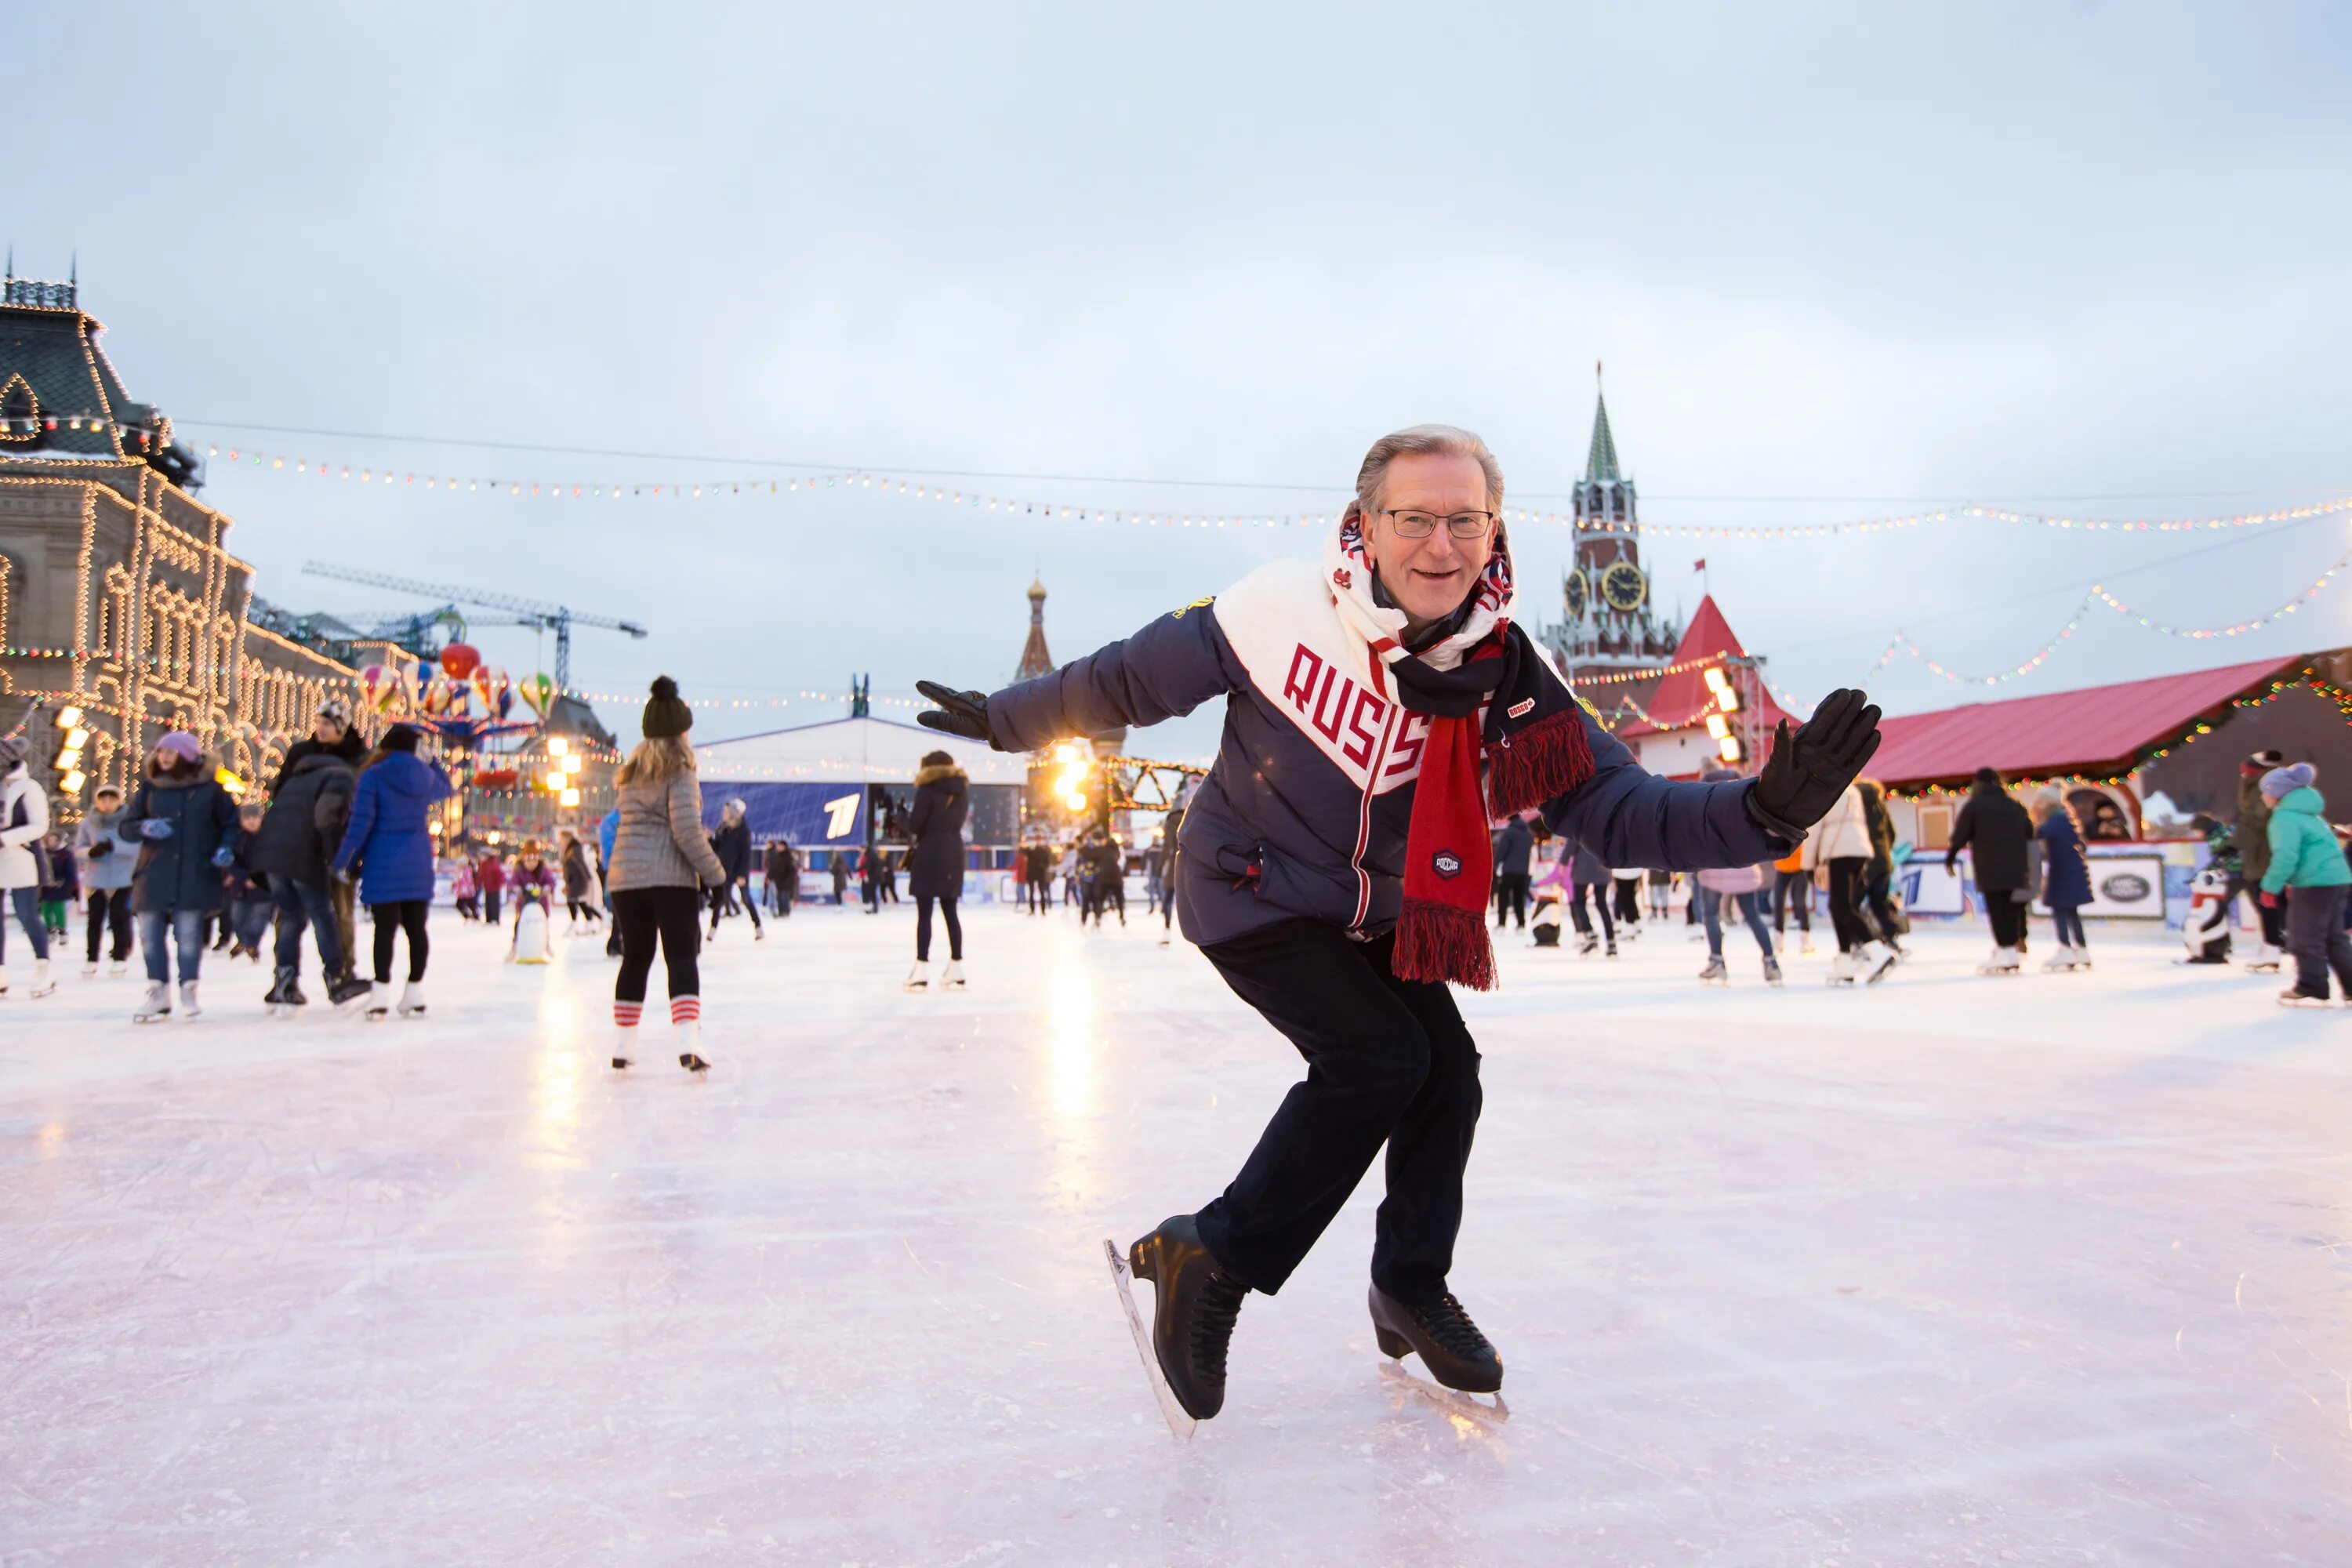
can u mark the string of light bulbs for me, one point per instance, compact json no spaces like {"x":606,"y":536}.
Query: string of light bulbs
{"x":924,"y":488}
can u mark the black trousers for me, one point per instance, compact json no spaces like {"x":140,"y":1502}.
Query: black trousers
{"x":1847,"y":874}
{"x":670,"y":916}
{"x":1629,"y":899}
{"x":1878,"y":891}
{"x":391,"y":921}
{"x":2315,"y":935}
{"x":1388,"y":1061}
{"x":1599,"y":893}
{"x":2006,"y":911}
{"x":110,"y":911}
{"x":1792,"y":891}
{"x":490,"y":906}
{"x":1511,"y":899}
{"x":722,"y":902}
{"x":923,"y":928}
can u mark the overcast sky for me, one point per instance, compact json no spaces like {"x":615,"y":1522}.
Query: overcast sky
{"x":1839,"y":261}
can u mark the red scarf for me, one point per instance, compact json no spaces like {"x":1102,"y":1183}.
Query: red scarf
{"x":1449,"y":858}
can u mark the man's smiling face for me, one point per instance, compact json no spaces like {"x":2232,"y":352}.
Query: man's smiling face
{"x":1428,"y":578}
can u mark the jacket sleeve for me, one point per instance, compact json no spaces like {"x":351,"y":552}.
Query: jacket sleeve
{"x":686,"y":829}
{"x":1964,"y":828}
{"x":362,"y":823}
{"x":1168,"y":669}
{"x":36,"y":816}
{"x":2281,"y":834}
{"x":1631,"y":818}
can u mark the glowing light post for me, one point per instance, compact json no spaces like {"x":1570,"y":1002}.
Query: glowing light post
{"x":1735,"y":723}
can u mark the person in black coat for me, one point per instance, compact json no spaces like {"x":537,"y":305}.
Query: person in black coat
{"x":935,"y":863}
{"x":331,"y":735}
{"x":1514,"y":850}
{"x":310,"y":801}
{"x":1995,"y":830}
{"x":732,"y":845}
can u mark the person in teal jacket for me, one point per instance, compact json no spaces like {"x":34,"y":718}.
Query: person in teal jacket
{"x":2308,"y":864}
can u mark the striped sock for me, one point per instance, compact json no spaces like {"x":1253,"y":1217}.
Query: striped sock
{"x":685,"y":1009}
{"x":627,"y":1014}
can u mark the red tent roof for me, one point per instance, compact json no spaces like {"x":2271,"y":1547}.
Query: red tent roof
{"x":2097,"y":730}
{"x":1682,"y":698}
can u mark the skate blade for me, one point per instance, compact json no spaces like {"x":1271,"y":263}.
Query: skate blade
{"x":1489,"y":1413}
{"x":1123,"y":1279}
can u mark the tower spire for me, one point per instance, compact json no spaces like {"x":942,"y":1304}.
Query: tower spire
{"x":1600,"y":461}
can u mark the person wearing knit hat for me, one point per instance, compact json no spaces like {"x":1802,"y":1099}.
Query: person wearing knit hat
{"x":389,"y":844}
{"x":2308,"y":871}
{"x":660,"y":863}
{"x":2251,"y":835}
{"x":191,"y":834}
{"x":666,"y":714}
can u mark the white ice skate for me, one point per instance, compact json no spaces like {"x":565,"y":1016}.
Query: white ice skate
{"x":42,"y":981}
{"x":118,"y":969}
{"x":624,"y":1046}
{"x":90,"y":969}
{"x":1844,"y":968}
{"x":2264,"y":960}
{"x":1715,"y":973}
{"x":2067,"y":957}
{"x":1805,"y":948}
{"x":2002,"y":961}
{"x":920,"y":977}
{"x":412,"y":999}
{"x":951,"y":978}
{"x":157,"y":1005}
{"x":188,"y":1007}
{"x":689,"y":1047}
{"x":379,"y":1006}
{"x":1873,"y":960}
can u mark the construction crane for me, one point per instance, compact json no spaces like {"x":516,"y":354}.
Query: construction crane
{"x":557,"y":618}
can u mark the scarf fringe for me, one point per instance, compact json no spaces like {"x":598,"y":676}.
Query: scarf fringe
{"x":1441,"y":942}
{"x":1542,"y":761}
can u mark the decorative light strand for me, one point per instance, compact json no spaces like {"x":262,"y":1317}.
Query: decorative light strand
{"x":930,"y":489}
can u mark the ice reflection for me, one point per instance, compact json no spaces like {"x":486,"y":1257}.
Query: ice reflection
{"x":1071,"y":1034}
{"x":51,"y":1139}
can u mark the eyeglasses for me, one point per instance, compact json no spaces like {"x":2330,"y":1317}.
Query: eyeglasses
{"x":1421,"y":524}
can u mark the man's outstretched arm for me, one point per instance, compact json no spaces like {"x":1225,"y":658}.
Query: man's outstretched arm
{"x":1168,"y":669}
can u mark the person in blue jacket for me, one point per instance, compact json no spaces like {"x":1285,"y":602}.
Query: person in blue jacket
{"x":1382,"y":706}
{"x":389,"y":842}
{"x":188,"y":828}
{"x":2065,"y":878}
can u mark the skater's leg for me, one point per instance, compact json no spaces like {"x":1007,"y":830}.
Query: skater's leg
{"x":674,"y":912}
{"x":188,"y":935}
{"x":955,"y":930}
{"x":922,"y":928}
{"x":1608,"y":921}
{"x":1846,"y":901}
{"x":1367,"y":1058}
{"x":99,"y":900}
{"x":2312,"y":916}
{"x":27,"y":902}
{"x":633,"y":917}
{"x":750,"y":904}
{"x":154,"y":945}
{"x":1428,"y":1148}
{"x":387,"y":932}
{"x":1710,"y":915}
{"x":1751,"y":909}
{"x":412,"y":922}
{"x":1576,"y":909}
{"x":2338,"y":947}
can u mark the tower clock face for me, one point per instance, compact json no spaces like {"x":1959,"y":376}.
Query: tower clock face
{"x":1624,"y":586}
{"x":1575,"y":596}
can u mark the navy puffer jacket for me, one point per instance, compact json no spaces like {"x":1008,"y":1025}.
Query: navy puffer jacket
{"x":1304,"y":812}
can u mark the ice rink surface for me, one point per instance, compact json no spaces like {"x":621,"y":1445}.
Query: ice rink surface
{"x":2039,"y":1271}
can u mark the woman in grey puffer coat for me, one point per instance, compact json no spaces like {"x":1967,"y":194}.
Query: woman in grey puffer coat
{"x":661,"y":862}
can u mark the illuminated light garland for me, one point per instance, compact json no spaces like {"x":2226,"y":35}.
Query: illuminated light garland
{"x":625,"y":698}
{"x":929,"y":490}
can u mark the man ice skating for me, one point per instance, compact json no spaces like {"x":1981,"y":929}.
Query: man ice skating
{"x":1382,"y":708}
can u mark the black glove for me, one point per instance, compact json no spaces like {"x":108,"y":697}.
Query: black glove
{"x":963,"y":713}
{"x":1808,"y":770}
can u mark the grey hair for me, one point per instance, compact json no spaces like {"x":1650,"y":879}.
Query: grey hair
{"x":1417,"y":441}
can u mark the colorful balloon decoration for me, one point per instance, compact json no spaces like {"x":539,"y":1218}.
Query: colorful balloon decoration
{"x":459,"y":660}
{"x":495,"y":690}
{"x":378,"y":686}
{"x":432,"y":698}
{"x":537,"y":693}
